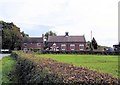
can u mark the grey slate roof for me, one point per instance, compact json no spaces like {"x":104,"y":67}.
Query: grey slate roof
{"x":66,"y":39}
{"x":33,"y":40}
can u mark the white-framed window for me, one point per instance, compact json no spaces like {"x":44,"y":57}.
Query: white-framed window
{"x":81,"y":46}
{"x":38,"y":44}
{"x":25,"y":44}
{"x":63,"y":46}
{"x":72,"y":46}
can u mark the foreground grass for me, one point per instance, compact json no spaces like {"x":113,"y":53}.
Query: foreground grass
{"x":100,"y":63}
{"x":7,"y":64}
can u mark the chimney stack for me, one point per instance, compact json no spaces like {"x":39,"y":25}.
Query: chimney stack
{"x":66,"y":33}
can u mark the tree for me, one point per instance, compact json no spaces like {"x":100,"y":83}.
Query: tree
{"x":49,"y":33}
{"x":89,"y":46}
{"x":94,"y":43}
{"x":11,"y":36}
{"x":24,"y":34}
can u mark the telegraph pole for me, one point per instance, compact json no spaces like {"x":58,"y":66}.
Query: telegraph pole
{"x":91,"y":35}
{"x":91,"y":47}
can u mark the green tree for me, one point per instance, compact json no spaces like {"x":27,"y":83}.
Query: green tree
{"x":11,"y":36}
{"x":49,"y":33}
{"x":89,"y":45}
{"x":24,"y":34}
{"x":94,"y":43}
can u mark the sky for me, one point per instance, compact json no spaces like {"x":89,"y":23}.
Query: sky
{"x":78,"y":17}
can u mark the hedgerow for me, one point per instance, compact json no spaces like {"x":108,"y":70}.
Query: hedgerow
{"x":81,"y":52}
{"x":28,"y":70}
{"x":31,"y":69}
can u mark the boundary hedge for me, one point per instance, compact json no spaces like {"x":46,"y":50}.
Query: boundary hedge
{"x":28,"y":71}
{"x":31,"y":69}
{"x":81,"y":52}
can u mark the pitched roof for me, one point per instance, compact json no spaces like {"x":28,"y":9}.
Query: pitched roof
{"x":66,"y":39}
{"x":33,"y":40}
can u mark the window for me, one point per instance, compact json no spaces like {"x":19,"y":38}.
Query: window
{"x":72,"y":46}
{"x":38,"y":44}
{"x":25,"y":44}
{"x":63,"y":46}
{"x":81,"y":46}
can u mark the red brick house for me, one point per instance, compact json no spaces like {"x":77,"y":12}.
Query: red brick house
{"x":31,"y":43}
{"x":66,"y":43}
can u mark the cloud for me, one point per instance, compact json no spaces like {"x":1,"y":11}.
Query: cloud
{"x":78,"y":17}
{"x":34,"y":29}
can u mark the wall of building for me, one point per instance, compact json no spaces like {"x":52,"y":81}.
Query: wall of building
{"x":77,"y":48}
{"x":32,"y":45}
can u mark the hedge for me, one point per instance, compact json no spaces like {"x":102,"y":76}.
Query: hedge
{"x":28,"y":71}
{"x":31,"y":69}
{"x":81,"y":52}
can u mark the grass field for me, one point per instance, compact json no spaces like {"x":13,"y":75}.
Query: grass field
{"x":6,"y":65}
{"x":101,"y":63}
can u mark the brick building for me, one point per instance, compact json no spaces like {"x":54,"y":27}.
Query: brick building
{"x":66,"y":43}
{"x":56,"y":43}
{"x":32,"y":43}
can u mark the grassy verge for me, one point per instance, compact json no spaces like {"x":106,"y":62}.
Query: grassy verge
{"x":100,"y":63}
{"x":7,"y":64}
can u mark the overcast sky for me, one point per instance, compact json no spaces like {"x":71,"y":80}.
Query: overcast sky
{"x":78,"y":17}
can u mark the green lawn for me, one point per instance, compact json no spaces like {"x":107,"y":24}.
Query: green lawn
{"x":6,"y":65}
{"x":101,"y":63}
